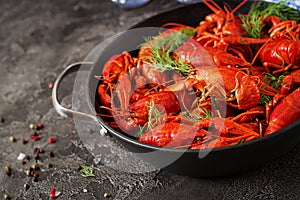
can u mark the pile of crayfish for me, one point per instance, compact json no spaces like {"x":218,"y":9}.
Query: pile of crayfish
{"x":208,"y":86}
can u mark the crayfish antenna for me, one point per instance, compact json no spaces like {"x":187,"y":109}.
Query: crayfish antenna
{"x":213,"y":6}
{"x":239,"y":6}
{"x":98,"y":77}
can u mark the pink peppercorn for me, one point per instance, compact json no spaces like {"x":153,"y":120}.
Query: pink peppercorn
{"x":52,"y":193}
{"x":35,"y":137}
{"x":40,"y":126}
{"x":50,"y":85}
{"x":51,"y":140}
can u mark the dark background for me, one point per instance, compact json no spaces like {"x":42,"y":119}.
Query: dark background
{"x":38,"y":39}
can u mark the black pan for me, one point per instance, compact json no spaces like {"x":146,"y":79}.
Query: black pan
{"x":218,"y":162}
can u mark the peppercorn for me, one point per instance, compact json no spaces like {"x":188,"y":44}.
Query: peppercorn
{"x":35,"y":166}
{"x":32,"y":126}
{"x":35,"y":137}
{"x":7,"y":170}
{"x":50,"y":85}
{"x":35,"y":175}
{"x":6,"y":196}
{"x":23,"y":162}
{"x":52,"y":196}
{"x":40,"y":126}
{"x":35,"y":179}
{"x":28,"y":157}
{"x":40,"y":150}
{"x":28,"y":172}
{"x":51,"y":154}
{"x":12,"y":139}
{"x":50,"y":165}
{"x":79,"y":167}
{"x":106,"y":195}
{"x":2,"y":120}
{"x":51,"y":140}
{"x":52,"y":193}
{"x":36,"y":156}
{"x":24,"y":141}
{"x":26,"y":186}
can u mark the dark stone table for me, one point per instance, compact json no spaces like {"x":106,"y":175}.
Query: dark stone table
{"x":38,"y":39}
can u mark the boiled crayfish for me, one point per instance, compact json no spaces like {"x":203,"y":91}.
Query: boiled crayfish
{"x":201,"y":87}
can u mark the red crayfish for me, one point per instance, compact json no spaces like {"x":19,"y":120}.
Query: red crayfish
{"x":218,"y":99}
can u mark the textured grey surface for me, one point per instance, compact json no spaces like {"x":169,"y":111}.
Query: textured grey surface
{"x":38,"y":39}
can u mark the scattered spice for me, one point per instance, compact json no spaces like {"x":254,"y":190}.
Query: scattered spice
{"x":7,"y":170}
{"x":40,"y":126}
{"x":32,"y":126}
{"x":79,"y":167}
{"x":28,"y":172}
{"x":35,"y":166}
{"x":35,"y":137}
{"x":35,"y":179}
{"x":36,"y":156}
{"x":32,"y":171}
{"x":12,"y":139}
{"x":106,"y":195}
{"x":51,"y":140}
{"x":26,"y":186}
{"x":6,"y":196}
{"x":51,"y":154}
{"x":40,"y":150}
{"x":50,"y":85}
{"x":52,"y":193}
{"x":35,"y":175}
{"x":24,"y":141}
{"x":27,"y":157}
{"x":21,"y":156}
{"x":87,"y":171}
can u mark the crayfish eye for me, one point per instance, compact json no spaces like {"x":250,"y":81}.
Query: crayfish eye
{"x":230,"y":20}
{"x":128,"y":118}
{"x":110,"y":74}
{"x":131,"y":111}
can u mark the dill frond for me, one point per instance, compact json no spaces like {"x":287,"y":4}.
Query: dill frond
{"x":252,"y":22}
{"x":161,"y":48}
{"x":264,"y":99}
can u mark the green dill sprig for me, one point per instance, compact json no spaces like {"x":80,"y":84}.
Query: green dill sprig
{"x":264,"y":99}
{"x":279,"y":10}
{"x":196,"y":115}
{"x":241,"y":141}
{"x":87,"y":171}
{"x":162,"y":47}
{"x":252,"y":22}
{"x":252,"y":25}
{"x":141,"y":131}
{"x":162,"y":60}
{"x":154,"y":117}
{"x":273,"y":81}
{"x":170,"y":41}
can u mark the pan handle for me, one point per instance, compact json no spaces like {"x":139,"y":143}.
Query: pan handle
{"x":64,"y":112}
